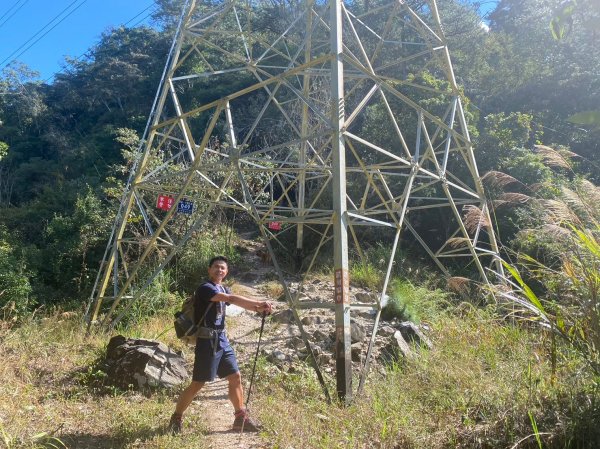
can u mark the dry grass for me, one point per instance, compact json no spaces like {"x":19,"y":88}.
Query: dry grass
{"x":49,"y":386}
{"x":273,"y":290}
{"x":474,"y":389}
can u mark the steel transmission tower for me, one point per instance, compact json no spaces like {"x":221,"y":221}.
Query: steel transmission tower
{"x":322,"y":121}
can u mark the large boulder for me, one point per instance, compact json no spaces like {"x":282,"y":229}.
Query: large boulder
{"x":143,"y":364}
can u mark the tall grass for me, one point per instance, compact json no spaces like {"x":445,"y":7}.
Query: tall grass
{"x":408,"y":302}
{"x":191,"y":264}
{"x":556,"y":274}
{"x":475,"y":389}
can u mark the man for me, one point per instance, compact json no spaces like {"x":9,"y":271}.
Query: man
{"x":216,"y":357}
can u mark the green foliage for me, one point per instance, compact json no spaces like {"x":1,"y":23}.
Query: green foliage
{"x":15,"y":288}
{"x":552,"y":79}
{"x":562,"y":22}
{"x":365,"y":274}
{"x":3,"y":150}
{"x":63,"y":150}
{"x":411,"y":303}
{"x":504,"y":145}
{"x":74,"y":241}
{"x":564,"y":272}
{"x":192,"y":263}
{"x":153,"y":300}
{"x":587,"y":118}
{"x":573,"y":293}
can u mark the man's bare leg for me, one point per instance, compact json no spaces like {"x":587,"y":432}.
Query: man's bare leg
{"x":187,"y":396}
{"x":235,"y":391}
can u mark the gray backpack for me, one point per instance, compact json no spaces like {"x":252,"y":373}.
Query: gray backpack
{"x":186,"y":328}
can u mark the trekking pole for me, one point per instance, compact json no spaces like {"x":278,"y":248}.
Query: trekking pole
{"x":262,"y":326}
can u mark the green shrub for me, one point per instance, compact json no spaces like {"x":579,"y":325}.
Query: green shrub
{"x":365,"y":274}
{"x":410,"y":303}
{"x":192,"y":263}
{"x":15,"y":288}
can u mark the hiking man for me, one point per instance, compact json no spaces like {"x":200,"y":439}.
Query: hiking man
{"x":216,"y":357}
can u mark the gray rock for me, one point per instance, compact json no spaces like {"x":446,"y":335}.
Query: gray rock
{"x":365,"y":297}
{"x":411,"y":332}
{"x":396,"y":349}
{"x":143,"y":364}
{"x":402,"y":345}
{"x":321,"y":336}
{"x":323,"y":359}
{"x":295,"y":343}
{"x":309,"y":288}
{"x":308,"y":320}
{"x":285,"y":317}
{"x":387,"y":331}
{"x":316,"y":349}
{"x":357,"y":332}
{"x":276,"y":357}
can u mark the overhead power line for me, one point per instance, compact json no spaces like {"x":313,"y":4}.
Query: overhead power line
{"x":45,"y":30}
{"x":153,"y":3}
{"x":14,"y":12}
{"x":10,"y":9}
{"x":139,"y":14}
{"x":2,"y":22}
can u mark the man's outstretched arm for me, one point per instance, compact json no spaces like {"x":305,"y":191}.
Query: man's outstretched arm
{"x":253,"y":305}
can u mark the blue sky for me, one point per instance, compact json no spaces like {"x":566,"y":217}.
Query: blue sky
{"x":22,"y":22}
{"x":72,"y":37}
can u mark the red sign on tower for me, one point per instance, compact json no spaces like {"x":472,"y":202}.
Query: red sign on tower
{"x":274,"y":225}
{"x":165,"y":202}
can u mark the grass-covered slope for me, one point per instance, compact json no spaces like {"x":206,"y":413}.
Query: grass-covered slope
{"x":486,"y":383}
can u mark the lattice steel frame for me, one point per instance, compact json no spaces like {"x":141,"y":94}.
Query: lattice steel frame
{"x":318,"y":82}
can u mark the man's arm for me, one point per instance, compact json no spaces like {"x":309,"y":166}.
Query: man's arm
{"x":243,"y":302}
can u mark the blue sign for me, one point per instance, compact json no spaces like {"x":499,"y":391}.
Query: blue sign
{"x":185,"y":207}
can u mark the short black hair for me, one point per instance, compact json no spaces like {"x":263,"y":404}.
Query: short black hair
{"x":217,"y":259}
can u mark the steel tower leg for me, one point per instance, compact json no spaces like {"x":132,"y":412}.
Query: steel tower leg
{"x":340,"y":216}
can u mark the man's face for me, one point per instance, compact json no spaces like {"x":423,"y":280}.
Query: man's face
{"x":217,"y":271}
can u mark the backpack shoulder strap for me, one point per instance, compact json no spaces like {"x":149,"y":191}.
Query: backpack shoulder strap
{"x":203,"y":319}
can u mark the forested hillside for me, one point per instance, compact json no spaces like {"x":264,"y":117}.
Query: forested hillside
{"x":530,"y":75}
{"x":66,"y":145}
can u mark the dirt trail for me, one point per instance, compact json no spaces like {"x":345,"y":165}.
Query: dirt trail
{"x":213,"y":404}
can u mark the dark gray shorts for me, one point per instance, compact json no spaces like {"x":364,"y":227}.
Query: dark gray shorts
{"x":208,"y":364}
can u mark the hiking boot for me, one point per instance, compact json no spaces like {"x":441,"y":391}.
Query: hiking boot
{"x":175,"y":424}
{"x":244,"y":422}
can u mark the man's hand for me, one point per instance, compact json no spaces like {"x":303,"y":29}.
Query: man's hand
{"x":264,"y":307}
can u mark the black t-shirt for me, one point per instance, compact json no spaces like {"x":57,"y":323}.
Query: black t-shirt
{"x":215,"y":318}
